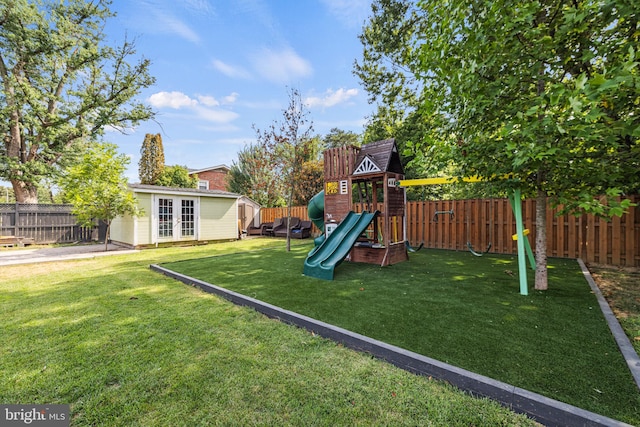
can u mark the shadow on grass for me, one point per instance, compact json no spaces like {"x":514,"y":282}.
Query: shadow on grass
{"x":460,"y":309}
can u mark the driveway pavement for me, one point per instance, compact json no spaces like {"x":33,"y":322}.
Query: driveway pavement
{"x":29,"y":256}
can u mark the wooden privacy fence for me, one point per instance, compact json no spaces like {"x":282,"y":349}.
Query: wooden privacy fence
{"x":44,"y":223}
{"x":489,"y":224}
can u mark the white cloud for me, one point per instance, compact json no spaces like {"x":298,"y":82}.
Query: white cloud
{"x":231,"y":98}
{"x":331,"y":98}
{"x":175,"y":100}
{"x":230,"y":70}
{"x":207,"y":100}
{"x":281,"y":66}
{"x":202,"y":106}
{"x":217,"y":116}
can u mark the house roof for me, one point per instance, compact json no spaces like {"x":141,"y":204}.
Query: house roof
{"x":157,"y":189}
{"x":224,"y":168}
{"x":251,"y":200}
{"x":379,"y":156}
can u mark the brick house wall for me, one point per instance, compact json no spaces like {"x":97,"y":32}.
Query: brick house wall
{"x":217,"y":179}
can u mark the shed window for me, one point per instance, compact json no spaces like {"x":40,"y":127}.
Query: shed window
{"x":165,"y":217}
{"x":188,"y":218}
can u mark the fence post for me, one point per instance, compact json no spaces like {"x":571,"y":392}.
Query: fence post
{"x":16,"y":218}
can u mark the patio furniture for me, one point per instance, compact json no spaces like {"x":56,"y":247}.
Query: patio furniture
{"x":302,"y":231}
{"x":260,"y":230}
{"x":277,"y":224}
{"x":281,"y":231}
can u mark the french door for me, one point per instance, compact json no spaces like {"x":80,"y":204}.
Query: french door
{"x":177,"y":218}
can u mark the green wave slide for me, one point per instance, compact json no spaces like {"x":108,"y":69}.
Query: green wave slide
{"x":331,"y":251}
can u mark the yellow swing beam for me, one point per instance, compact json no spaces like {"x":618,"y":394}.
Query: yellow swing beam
{"x":436,"y":181}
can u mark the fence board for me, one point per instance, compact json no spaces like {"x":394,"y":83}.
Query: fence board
{"x":615,"y":249}
{"x":631,"y":236}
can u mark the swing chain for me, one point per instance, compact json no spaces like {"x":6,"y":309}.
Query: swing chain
{"x":436,"y":213}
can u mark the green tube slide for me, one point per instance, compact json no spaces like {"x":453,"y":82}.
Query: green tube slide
{"x":315,"y":210}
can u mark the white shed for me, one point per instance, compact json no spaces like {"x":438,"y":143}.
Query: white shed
{"x":248,"y":212}
{"x":173,"y":215}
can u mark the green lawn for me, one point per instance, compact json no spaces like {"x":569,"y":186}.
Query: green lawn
{"x":128,"y":347}
{"x":457,"y":308}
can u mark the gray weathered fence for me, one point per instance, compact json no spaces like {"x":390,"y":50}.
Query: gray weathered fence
{"x":45,"y":223}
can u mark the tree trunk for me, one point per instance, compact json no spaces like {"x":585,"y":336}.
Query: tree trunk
{"x":25,"y":193}
{"x":106,"y":236}
{"x":541,"y":283}
{"x":288,"y":225}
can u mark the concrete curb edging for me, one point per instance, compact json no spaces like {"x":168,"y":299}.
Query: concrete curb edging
{"x":626,"y":348}
{"x":544,"y":410}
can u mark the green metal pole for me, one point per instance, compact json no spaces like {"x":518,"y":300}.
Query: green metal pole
{"x":532,"y":259}
{"x":527,"y":245}
{"x":522,"y":262}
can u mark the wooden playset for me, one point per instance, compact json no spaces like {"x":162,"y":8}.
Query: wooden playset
{"x":365,"y":180}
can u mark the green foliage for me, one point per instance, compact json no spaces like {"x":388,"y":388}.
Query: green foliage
{"x":177,"y":177}
{"x":151,"y":164}
{"x":254,"y":177}
{"x":6,"y":195}
{"x":340,"y":138}
{"x":539,"y":117}
{"x":390,"y":73}
{"x":308,"y":182}
{"x":60,"y":86}
{"x":97,"y":188}
{"x":549,"y":98}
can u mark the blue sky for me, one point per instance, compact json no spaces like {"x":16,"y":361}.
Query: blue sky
{"x":223,"y":65}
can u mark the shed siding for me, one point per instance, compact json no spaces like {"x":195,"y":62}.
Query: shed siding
{"x":145,"y":223}
{"x":218,"y":219}
{"x":122,"y":229}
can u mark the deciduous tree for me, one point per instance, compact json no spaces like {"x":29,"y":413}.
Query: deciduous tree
{"x":287,"y":142}
{"x":253,"y":176}
{"x":97,"y":188}
{"x":340,"y":138}
{"x":177,"y":177}
{"x":543,"y":90}
{"x":60,"y":84}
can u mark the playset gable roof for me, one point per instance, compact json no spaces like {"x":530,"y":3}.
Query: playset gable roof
{"x":379,"y":156}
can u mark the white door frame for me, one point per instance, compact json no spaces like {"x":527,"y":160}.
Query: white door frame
{"x":175,"y":215}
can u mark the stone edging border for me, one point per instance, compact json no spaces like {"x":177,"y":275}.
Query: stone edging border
{"x":626,"y":348}
{"x":544,"y":410}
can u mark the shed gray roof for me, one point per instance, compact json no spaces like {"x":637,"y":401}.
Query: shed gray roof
{"x":144,"y":188}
